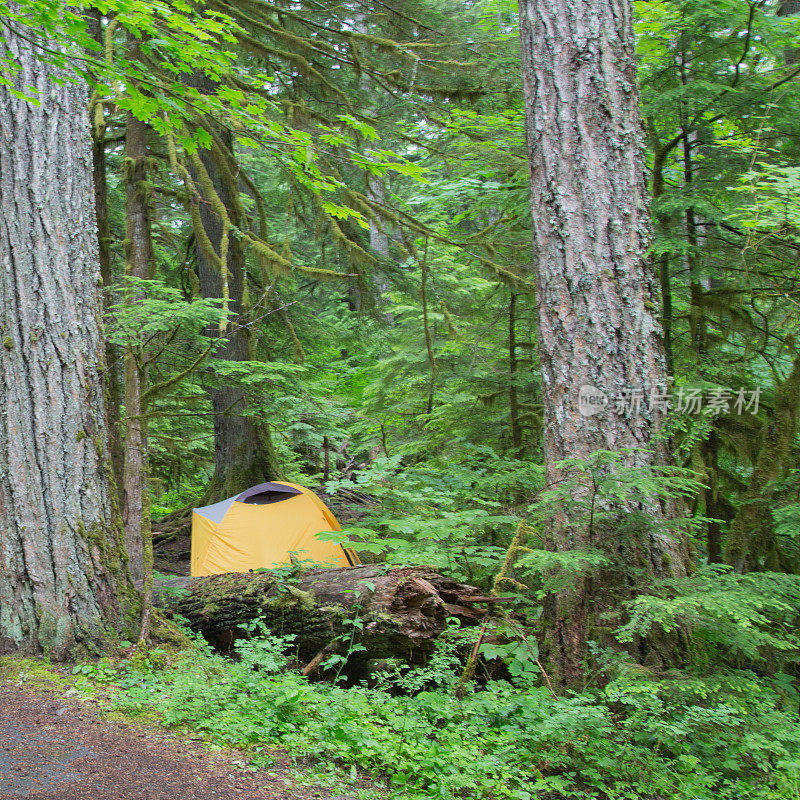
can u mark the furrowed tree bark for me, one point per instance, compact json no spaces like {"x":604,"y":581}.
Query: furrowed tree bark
{"x":595,"y":288}
{"x":243,"y":451}
{"x":403,"y":610}
{"x":63,"y":568}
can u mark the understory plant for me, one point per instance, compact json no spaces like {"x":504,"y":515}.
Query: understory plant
{"x":733,"y":735}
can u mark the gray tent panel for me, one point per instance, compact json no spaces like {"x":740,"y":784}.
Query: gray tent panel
{"x":216,"y":511}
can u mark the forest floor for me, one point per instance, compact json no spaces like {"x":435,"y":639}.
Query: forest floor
{"x":57,"y":747}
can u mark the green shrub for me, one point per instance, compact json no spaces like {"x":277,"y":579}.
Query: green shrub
{"x":733,"y":736}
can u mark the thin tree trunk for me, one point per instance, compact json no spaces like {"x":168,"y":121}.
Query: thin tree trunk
{"x":664,"y":276}
{"x":513,"y":404}
{"x":63,"y":577}
{"x":375,"y":191}
{"x":698,"y":333}
{"x":379,"y":240}
{"x":427,"y":329}
{"x":135,"y":514}
{"x":698,"y":327}
{"x":713,"y":508}
{"x":596,"y":291}
{"x":378,"y":235}
{"x":665,"y":281}
{"x":112,"y":355}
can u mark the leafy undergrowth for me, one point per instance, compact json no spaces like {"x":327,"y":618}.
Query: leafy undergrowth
{"x":729,"y":736}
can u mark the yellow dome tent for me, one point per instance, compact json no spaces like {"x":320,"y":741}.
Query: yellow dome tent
{"x":264,"y":526}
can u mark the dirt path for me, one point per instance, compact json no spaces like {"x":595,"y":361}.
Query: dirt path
{"x":56,"y":748}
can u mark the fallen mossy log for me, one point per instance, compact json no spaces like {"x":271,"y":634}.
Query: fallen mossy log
{"x":398,"y":612}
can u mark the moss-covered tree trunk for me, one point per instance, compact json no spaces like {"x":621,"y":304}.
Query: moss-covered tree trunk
{"x":63,"y":569}
{"x":401,"y":611}
{"x":243,"y":452}
{"x":752,"y":544}
{"x":513,"y":401}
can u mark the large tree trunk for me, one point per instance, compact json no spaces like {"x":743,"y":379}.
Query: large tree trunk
{"x":401,"y":610}
{"x":595,"y":288}
{"x":63,"y":568}
{"x":243,"y":452}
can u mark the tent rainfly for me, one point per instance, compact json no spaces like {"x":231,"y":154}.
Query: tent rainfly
{"x":264,"y":526}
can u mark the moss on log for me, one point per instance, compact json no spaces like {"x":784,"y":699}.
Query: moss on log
{"x":401,"y":611}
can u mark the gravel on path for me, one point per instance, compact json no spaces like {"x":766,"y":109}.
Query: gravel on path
{"x":57,"y":748}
